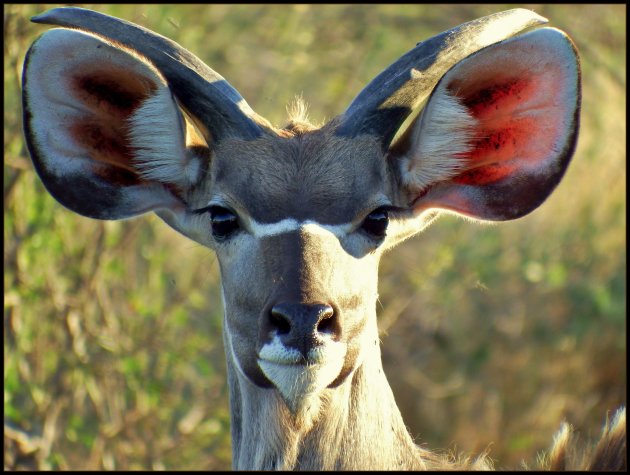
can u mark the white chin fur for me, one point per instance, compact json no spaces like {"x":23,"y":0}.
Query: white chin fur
{"x":299,"y":383}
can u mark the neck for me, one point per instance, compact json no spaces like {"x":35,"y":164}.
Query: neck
{"x":355,"y":425}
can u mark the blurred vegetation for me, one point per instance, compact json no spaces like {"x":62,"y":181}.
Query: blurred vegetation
{"x":491,"y":334}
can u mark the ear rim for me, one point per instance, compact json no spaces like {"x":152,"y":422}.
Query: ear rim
{"x":133,"y":195}
{"x":436,"y":196}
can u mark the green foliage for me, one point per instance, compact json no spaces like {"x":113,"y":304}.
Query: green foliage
{"x":113,"y":351}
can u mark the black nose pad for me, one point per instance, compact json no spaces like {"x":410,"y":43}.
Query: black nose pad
{"x":303,"y":326}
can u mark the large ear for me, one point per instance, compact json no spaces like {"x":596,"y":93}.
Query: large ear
{"x":497,"y":132}
{"x":105,"y":133}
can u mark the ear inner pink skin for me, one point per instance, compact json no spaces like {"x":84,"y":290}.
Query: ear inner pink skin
{"x":509,"y":133}
{"x":524,"y":129}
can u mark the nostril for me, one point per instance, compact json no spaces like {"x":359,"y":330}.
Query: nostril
{"x":280,"y":322}
{"x":298,"y":324}
{"x":326,"y":323}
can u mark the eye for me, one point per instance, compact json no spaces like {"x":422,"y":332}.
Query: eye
{"x":224,"y":222}
{"x":375,"y":224}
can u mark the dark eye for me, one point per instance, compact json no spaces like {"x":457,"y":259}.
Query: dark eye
{"x":375,"y":224}
{"x":224,"y":222}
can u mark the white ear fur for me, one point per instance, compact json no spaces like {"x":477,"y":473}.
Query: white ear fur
{"x":440,"y":138}
{"x":158,"y":137}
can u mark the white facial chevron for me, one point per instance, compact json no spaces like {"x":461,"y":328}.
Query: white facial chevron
{"x":288,"y":225}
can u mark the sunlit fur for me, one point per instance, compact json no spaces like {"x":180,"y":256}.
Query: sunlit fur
{"x":569,"y":453}
{"x":152,"y":129}
{"x":438,"y":142}
{"x":297,"y":112}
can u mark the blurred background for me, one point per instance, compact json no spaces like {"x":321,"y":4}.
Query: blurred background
{"x":492,"y":335}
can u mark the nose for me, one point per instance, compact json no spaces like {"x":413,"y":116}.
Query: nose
{"x":304,"y":326}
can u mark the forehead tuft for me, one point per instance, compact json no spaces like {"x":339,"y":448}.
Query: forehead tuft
{"x":314,"y":175}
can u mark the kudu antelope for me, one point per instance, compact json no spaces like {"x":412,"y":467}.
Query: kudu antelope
{"x":480,"y":120}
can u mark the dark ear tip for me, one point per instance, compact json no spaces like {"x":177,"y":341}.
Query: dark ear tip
{"x":47,"y":16}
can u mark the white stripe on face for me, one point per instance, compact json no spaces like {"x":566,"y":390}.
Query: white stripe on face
{"x":261,"y":230}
